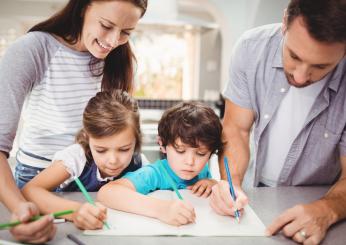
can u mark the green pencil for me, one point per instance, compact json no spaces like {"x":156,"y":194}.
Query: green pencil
{"x":87,"y":196}
{"x":14,"y":223}
{"x":171,"y":182}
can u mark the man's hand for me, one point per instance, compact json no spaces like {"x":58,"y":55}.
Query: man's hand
{"x":221,"y":200}
{"x":38,"y":231}
{"x":305,"y":224}
{"x":202,"y":188}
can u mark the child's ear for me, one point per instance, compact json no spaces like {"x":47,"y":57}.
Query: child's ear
{"x":162,"y":148}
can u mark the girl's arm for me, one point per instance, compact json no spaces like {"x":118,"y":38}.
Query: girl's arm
{"x":121,"y":195}
{"x":39,"y":190}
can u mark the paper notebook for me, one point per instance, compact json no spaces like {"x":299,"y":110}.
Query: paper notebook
{"x":208,"y":222}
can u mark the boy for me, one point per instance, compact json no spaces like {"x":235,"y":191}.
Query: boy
{"x":189,"y":133}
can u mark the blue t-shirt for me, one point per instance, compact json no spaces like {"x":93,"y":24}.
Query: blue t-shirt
{"x":152,"y":177}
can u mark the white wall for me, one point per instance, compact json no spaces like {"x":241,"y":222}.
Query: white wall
{"x":235,"y":17}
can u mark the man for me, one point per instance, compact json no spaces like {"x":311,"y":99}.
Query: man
{"x":38,"y":231}
{"x":288,"y":85}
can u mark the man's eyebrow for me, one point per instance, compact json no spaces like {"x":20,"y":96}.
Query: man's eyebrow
{"x":298,"y":58}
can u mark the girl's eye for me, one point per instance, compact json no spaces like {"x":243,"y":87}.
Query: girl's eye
{"x":125,"y":150}
{"x":106,"y":27}
{"x":100,"y":151}
{"x":320,"y":67}
{"x":125,"y":33}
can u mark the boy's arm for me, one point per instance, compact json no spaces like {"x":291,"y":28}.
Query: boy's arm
{"x":38,"y":190}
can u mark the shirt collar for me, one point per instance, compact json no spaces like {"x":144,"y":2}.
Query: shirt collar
{"x":175,"y":177}
{"x":99,"y":177}
{"x":277,"y":59}
{"x":336,"y":76}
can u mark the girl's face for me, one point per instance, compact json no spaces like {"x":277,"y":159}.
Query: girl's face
{"x":107,"y":25}
{"x":186,"y":161}
{"x":112,"y":154}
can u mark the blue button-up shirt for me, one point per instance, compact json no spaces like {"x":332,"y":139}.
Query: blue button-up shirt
{"x":258,"y":82}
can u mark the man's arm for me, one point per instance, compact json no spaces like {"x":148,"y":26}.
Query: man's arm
{"x":314,"y":218}
{"x":35,"y":232}
{"x":237,"y":125}
{"x":336,"y":196}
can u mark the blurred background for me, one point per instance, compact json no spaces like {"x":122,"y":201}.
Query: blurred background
{"x":183,"y":48}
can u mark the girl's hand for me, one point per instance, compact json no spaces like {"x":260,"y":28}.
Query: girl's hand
{"x":178,"y":213}
{"x":89,"y":217}
{"x":202,"y":187}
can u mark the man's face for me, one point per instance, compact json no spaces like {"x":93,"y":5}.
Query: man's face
{"x":306,"y":60}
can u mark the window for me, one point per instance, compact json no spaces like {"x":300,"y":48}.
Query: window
{"x":167,"y":60}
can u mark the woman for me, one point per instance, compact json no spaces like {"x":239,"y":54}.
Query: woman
{"x":58,"y":66}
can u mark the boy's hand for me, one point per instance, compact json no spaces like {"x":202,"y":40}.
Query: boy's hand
{"x":202,"y":187}
{"x":90,"y":217}
{"x":38,"y":231}
{"x":178,"y":213}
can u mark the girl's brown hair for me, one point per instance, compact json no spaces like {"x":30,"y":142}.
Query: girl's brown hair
{"x":68,"y":24}
{"x":109,"y":113}
{"x":194,"y":123}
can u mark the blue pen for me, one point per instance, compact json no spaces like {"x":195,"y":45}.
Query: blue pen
{"x":234,"y":197}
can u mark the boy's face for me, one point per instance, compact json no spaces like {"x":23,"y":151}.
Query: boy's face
{"x":186,"y":161}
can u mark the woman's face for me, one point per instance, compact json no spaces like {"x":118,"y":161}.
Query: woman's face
{"x":107,"y":25}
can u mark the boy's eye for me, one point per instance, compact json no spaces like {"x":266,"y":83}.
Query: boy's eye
{"x":100,"y":151}
{"x":201,"y":154}
{"x":179,"y":151}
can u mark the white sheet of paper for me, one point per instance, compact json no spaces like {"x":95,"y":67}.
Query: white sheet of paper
{"x":208,"y":223}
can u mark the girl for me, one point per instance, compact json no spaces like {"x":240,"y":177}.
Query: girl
{"x":188,"y":134}
{"x":104,"y":151}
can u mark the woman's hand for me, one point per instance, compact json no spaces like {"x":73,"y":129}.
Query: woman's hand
{"x":90,"y":217}
{"x":39,"y":231}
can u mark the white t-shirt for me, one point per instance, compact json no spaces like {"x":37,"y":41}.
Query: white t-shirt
{"x":73,"y":158}
{"x":285,"y":126}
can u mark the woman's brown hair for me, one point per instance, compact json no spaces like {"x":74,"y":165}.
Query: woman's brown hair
{"x":68,"y":23}
{"x":109,"y":113}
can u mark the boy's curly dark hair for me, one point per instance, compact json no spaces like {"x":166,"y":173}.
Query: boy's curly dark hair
{"x":194,"y":123}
